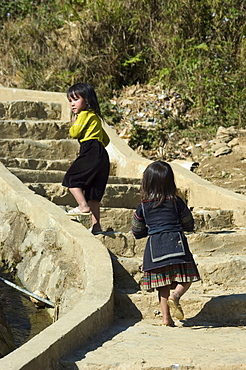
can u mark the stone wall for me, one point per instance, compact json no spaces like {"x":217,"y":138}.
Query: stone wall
{"x":54,"y":254}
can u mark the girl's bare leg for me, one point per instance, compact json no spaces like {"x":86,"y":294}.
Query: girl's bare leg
{"x":180,"y":289}
{"x":80,"y":199}
{"x":163,"y":294}
{"x":95,"y":218}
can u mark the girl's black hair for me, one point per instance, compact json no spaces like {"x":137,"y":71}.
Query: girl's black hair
{"x":88,"y":93}
{"x":158,"y":183}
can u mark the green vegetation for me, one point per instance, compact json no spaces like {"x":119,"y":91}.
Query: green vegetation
{"x":197,"y":47}
{"x":151,"y":137}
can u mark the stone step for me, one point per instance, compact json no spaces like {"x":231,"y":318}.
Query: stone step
{"x":209,"y":221}
{"x":220,"y":243}
{"x":45,"y":177}
{"x":46,"y":149}
{"x":119,"y":220}
{"x":208,"y":305}
{"x":218,"y":288}
{"x":26,"y":169}
{"x":23,"y":109}
{"x":115,"y":196}
{"x":213,"y":219}
{"x":228,"y":270}
{"x":16,"y":165}
{"x":224,"y":308}
{"x":35,"y":130}
{"x":123,"y":244}
{"x":214,"y":298}
{"x":120,"y":193}
{"x":225,"y":272}
{"x":223,"y":280}
{"x":38,"y":176}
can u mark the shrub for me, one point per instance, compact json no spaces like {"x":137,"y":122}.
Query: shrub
{"x":197,"y":46}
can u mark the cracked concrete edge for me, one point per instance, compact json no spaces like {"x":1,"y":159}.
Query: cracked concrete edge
{"x":92,"y":313}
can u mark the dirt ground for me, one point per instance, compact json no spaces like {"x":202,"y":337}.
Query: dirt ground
{"x":227,"y":170}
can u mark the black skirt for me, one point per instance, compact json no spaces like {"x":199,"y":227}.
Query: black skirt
{"x":90,"y":170}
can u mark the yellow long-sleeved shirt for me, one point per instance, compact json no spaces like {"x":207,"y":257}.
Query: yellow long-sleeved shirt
{"x":88,"y":126}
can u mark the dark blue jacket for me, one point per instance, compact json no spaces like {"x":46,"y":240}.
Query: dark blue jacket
{"x":165,"y":226}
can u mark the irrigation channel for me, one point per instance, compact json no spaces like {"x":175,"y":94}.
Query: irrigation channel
{"x":20,"y":320}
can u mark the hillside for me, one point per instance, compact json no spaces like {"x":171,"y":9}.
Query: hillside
{"x":219,"y":156}
{"x":182,"y":63}
{"x":195,"y":47}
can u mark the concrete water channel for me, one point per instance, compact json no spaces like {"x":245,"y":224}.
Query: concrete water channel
{"x":73,"y":267}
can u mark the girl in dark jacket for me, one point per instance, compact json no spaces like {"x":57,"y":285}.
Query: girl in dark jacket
{"x":163,"y":217}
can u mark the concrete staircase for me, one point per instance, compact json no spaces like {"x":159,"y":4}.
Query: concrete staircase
{"x":38,"y":151}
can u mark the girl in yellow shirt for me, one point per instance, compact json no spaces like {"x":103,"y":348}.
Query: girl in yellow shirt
{"x":88,"y":175}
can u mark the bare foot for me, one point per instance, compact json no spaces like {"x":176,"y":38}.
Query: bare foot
{"x":168,"y":323}
{"x":84,"y":209}
{"x":167,"y":320}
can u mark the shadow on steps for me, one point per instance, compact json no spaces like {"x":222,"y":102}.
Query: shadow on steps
{"x":224,"y":310}
{"x":117,"y":327}
{"x":124,"y":284}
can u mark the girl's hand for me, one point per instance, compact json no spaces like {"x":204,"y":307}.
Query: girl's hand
{"x":73,"y":117}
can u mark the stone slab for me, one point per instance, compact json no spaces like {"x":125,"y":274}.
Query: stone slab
{"x":24,"y":109}
{"x":46,"y":149}
{"x":139,"y":345}
{"x":35,"y":130}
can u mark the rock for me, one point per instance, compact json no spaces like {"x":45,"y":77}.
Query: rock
{"x":233,"y":142}
{"x":226,"y":133}
{"x":223,"y":150}
{"x":37,"y":303}
{"x":126,"y":134}
{"x":216,"y":144}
